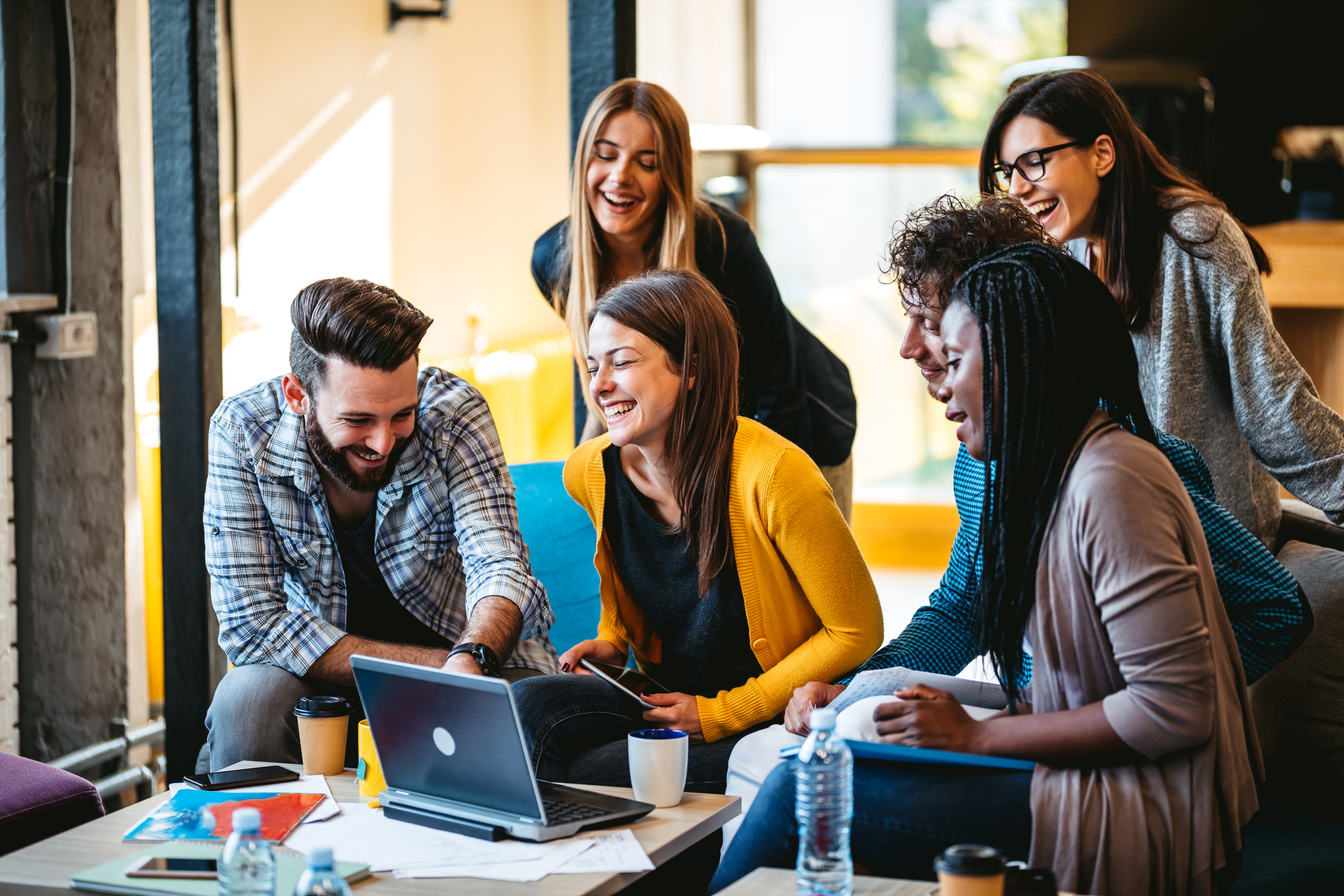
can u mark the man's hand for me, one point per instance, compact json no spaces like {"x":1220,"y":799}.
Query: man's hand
{"x":595,"y":651}
{"x":928,"y":717}
{"x":678,"y":711}
{"x":798,"y":714}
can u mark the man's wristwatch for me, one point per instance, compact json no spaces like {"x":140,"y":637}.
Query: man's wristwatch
{"x":483,"y":655}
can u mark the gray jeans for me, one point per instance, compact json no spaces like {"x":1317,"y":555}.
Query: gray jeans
{"x":252,"y":717}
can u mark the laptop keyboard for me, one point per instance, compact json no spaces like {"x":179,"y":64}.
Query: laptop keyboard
{"x":559,"y":812}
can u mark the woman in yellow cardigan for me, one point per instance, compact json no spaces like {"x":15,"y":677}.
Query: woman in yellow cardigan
{"x":725,"y":565}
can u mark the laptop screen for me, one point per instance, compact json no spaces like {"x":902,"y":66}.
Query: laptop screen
{"x":445,"y":735}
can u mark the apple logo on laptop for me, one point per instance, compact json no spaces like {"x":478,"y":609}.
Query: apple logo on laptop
{"x":444,"y":741}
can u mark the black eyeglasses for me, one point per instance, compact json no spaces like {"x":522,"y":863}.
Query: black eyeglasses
{"x":1031,"y":165}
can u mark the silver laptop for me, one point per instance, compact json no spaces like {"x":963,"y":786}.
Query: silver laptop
{"x":454,"y":758}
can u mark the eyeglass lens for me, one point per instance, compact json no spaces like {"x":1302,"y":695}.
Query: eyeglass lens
{"x":1030,"y":165}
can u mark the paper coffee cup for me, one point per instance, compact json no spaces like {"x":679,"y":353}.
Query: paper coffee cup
{"x":323,"y":722}
{"x":658,"y":765}
{"x":370,"y":771}
{"x":970,"y":870}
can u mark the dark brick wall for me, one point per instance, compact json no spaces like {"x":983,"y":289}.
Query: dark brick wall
{"x":70,"y":501}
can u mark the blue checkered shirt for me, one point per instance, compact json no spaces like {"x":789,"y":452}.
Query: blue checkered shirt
{"x":446,"y":531}
{"x":1263,"y":601}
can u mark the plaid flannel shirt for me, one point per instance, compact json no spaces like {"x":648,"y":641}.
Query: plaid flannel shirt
{"x":1263,"y":600}
{"x":446,"y":531}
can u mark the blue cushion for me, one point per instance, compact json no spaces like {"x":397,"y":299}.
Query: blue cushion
{"x":560,"y":540}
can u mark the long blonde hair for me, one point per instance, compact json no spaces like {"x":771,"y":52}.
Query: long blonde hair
{"x":673,"y":242}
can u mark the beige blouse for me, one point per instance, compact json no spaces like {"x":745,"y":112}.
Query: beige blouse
{"x":1128,"y":612}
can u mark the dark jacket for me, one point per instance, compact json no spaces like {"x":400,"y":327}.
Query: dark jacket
{"x":788,"y":380}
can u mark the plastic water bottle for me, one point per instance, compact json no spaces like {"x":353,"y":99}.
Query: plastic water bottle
{"x":824,"y":809}
{"x":247,"y":865}
{"x":320,"y":878}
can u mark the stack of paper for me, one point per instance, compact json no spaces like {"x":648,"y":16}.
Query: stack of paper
{"x":363,"y":835}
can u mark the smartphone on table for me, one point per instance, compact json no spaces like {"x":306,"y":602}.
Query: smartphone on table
{"x":160,"y":866}
{"x":632,"y":682}
{"x":242,"y":777}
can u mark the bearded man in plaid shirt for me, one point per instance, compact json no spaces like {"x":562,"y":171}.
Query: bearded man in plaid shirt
{"x":358,"y":505}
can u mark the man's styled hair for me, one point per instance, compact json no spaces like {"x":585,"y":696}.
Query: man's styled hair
{"x":936,"y":244}
{"x":359,"y":322}
{"x":681,"y":312}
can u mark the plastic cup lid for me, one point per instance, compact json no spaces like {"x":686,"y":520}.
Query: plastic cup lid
{"x":969,"y":859}
{"x":246,"y":821}
{"x":322,"y":707}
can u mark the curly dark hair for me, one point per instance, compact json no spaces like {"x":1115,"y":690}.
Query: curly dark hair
{"x":936,"y":244}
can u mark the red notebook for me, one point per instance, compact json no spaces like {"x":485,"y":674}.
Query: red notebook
{"x":208,"y":815}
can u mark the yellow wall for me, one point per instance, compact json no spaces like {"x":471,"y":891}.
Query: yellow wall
{"x":427,"y":158}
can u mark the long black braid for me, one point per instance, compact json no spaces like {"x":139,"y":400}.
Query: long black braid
{"x":1055,"y":346}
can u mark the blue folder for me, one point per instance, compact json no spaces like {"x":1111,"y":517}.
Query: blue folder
{"x":921,"y":756}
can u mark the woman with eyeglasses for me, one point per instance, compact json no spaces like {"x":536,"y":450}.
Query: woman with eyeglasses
{"x":633,"y":207}
{"x":1186,"y":275}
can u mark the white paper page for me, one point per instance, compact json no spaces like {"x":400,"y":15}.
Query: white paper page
{"x":612,"y":852}
{"x":362,"y":835}
{"x":557,"y":855}
{"x":306,"y":784}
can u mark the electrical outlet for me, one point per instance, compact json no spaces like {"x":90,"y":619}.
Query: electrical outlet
{"x":73,"y":335}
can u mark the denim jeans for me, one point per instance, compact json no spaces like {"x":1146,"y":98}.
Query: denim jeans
{"x":904,"y":816}
{"x":576,"y":727}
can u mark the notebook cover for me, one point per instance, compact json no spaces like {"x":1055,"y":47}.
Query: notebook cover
{"x":208,"y":815}
{"x":110,"y":877}
{"x":920,"y":756}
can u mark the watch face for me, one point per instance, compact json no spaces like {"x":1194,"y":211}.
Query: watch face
{"x":484,"y":657}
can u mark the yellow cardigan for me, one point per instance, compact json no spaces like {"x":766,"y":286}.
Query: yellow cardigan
{"x":812,"y":610}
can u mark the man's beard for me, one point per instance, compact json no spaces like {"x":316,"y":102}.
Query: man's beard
{"x":333,"y":460}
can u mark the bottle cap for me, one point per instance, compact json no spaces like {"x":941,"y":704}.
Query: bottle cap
{"x":823,"y":719}
{"x":970,"y":860}
{"x":321,"y":858}
{"x":246,"y":821}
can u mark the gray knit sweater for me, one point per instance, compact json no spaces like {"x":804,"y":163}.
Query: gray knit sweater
{"x":1216,"y":373}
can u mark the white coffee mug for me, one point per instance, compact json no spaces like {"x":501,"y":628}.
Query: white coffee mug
{"x":658,"y":765}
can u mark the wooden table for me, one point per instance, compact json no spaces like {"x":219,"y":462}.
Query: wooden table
{"x":780,"y":882}
{"x":45,"y":868}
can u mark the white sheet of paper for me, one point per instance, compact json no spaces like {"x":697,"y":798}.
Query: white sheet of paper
{"x":612,"y":852}
{"x":556,"y":856}
{"x":364,"y":836}
{"x":328,"y":808}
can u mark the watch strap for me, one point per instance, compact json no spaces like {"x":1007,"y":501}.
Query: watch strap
{"x":482,"y":654}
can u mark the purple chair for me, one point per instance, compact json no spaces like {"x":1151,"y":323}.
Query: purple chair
{"x":37,"y":801}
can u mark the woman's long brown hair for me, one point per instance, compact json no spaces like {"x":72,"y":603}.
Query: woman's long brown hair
{"x":1139,"y":196}
{"x":683,"y":314}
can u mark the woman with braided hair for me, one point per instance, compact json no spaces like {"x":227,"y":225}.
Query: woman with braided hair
{"x":1095,"y":564}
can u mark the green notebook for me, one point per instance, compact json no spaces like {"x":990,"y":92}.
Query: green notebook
{"x":110,"y":877}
